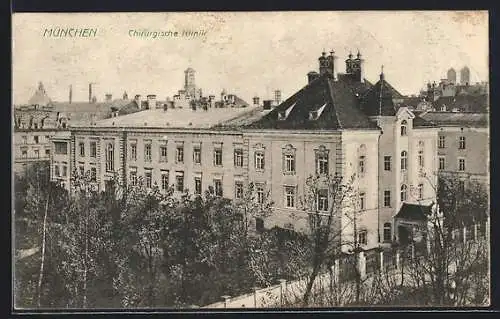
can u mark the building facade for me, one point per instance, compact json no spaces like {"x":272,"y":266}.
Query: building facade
{"x":338,"y":124}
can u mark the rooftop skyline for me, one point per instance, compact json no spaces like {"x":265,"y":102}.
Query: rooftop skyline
{"x":245,"y":53}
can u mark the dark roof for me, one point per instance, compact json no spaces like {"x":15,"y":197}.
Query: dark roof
{"x":338,"y":101}
{"x":129,"y":108}
{"x":378,"y":100}
{"x":420,"y":122}
{"x":464,"y":103}
{"x":457,"y":119}
{"x":414,"y":212}
{"x":412,"y":101}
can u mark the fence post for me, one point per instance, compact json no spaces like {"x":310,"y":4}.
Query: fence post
{"x":227,"y":299}
{"x":381,"y":260}
{"x":397,"y":259}
{"x":336,"y":271}
{"x":361,"y":264}
{"x":282,"y":291}
{"x":465,"y":235}
{"x":255,"y":296}
{"x":412,"y":251}
{"x":476,"y":226}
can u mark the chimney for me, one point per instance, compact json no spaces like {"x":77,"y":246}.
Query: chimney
{"x":256,"y":101}
{"x":332,"y":59}
{"x":277,"y":97}
{"x":70,"y":94}
{"x":311,"y":76}
{"x":108,"y":97}
{"x":267,"y":104}
{"x":151,"y":99}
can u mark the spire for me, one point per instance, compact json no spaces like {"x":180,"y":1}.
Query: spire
{"x":382,"y":72}
{"x":381,"y":87}
{"x":359,"y":55}
{"x":350,"y":55}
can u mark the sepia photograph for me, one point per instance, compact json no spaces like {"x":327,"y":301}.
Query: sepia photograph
{"x":240,"y":160}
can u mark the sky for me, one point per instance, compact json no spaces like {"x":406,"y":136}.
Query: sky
{"x":246,"y":53}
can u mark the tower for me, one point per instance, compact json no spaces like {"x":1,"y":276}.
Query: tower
{"x":357,"y":67}
{"x":349,"y":64}
{"x":277,"y":97}
{"x":324,"y":63}
{"x":451,"y":75}
{"x":189,"y":82}
{"x":465,"y":76}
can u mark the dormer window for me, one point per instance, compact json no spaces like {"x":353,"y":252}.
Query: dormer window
{"x":283,"y":115}
{"x":314,"y":115}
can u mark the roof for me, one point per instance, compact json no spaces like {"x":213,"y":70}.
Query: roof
{"x":457,"y":119}
{"x":39,"y":98}
{"x":338,"y":101}
{"x":378,"y":100}
{"x":176,"y":118}
{"x":463,"y":102}
{"x":418,"y":121}
{"x":414,"y":212}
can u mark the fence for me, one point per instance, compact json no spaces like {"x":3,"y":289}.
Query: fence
{"x":366,"y":263}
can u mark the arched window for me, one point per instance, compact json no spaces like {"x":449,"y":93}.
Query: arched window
{"x":404,"y":191}
{"x":110,"y":155}
{"x":387,"y":232}
{"x":404,"y":160}
{"x":403,"y":128}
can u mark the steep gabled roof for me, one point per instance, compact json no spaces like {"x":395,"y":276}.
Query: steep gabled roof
{"x":340,"y":102}
{"x":379,"y":99}
{"x":414,"y":212}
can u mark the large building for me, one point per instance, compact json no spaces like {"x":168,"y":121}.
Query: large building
{"x":338,"y":123}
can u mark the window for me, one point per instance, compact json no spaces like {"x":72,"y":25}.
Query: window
{"x":37,"y":153}
{"x":290,"y":196}
{"x":64,"y":170}
{"x":47,"y":138}
{"x":362,"y":237}
{"x":197,"y":155}
{"x":387,"y":163}
{"x":289,"y":159}
{"x":238,"y":157}
{"x":81,"y":145}
{"x":197,"y":185}
{"x":147,"y":152}
{"x":461,"y":164}
{"x":404,"y":190}
{"x":461,"y":143}
{"x":404,"y":160}
{"x":361,"y":165}
{"x":260,"y":193}
{"x":387,"y":198}
{"x":110,"y":157}
{"x":441,"y":142}
{"x":81,"y":169}
{"x":238,"y":190}
{"x":47,"y":152}
{"x":289,"y":163}
{"x":259,"y":224}
{"x":61,"y":148}
{"x":133,"y":176}
{"x":362,"y":201}
{"x":133,"y":152}
{"x":179,"y":181}
{"x":322,"y":200}
{"x":461,"y":187}
{"x":387,"y":232}
{"x":421,"y":158}
{"x":25,"y":139}
{"x":218,"y":187}
{"x":35,"y":139}
{"x":93,"y":174}
{"x":164,"y":180}
{"x":441,"y":163}
{"x":259,"y":160}
{"x":163,"y":153}
{"x":218,"y":157}
{"x":420,"y":191}
{"x":403,"y":128}
{"x":179,"y":154}
{"x":24,"y":153}
{"x":148,"y":179}
{"x":93,"y":149}
{"x":322,"y":163}
{"x":56,"y":171}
